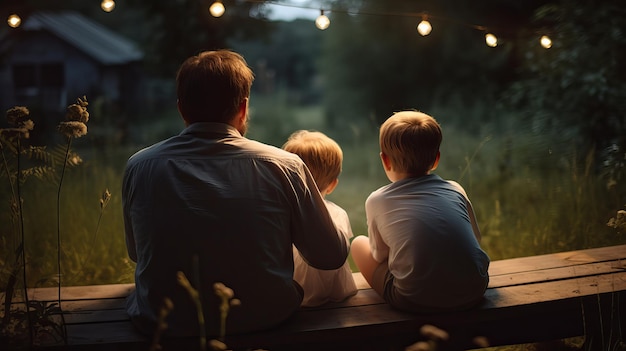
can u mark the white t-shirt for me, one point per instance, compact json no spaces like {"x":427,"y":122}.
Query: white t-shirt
{"x":321,"y":286}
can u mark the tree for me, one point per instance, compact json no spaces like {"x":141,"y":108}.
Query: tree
{"x":168,"y":31}
{"x":377,"y":64}
{"x":577,"y":88}
{"x":174,"y":30}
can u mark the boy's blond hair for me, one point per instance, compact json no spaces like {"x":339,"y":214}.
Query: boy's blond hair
{"x":411,"y":141}
{"x":321,"y":154}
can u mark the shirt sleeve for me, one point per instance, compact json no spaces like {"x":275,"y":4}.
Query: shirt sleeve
{"x":320,"y":243}
{"x":470,"y":209}
{"x":128,"y":228}
{"x":379,"y":249}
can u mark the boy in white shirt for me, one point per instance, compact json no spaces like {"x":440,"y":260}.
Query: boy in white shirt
{"x":323,"y":157}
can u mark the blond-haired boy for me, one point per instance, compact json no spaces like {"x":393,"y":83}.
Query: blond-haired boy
{"x":423,"y":252}
{"x":323,"y":157}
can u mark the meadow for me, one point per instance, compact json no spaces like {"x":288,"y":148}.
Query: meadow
{"x":530,"y":194}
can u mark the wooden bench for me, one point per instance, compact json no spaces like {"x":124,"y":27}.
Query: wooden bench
{"x":529,"y":299}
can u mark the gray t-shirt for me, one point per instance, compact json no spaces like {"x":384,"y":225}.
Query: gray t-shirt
{"x":422,"y":226}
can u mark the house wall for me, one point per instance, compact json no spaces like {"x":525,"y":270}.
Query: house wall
{"x":115,"y":86}
{"x":41,"y":50}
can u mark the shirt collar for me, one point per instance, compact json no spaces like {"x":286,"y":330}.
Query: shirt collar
{"x":211,"y":128}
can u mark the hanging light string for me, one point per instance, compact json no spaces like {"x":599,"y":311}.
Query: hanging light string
{"x":322,"y":22}
{"x":424,"y":27}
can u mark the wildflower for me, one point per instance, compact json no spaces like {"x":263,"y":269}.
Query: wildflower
{"x":223,"y":291}
{"x":27,"y":124}
{"x":481,"y":341}
{"x":17,"y":115}
{"x":10,"y":133}
{"x":75,"y":119}
{"x":164,"y":311}
{"x":75,"y":160}
{"x":419,"y":346}
{"x":619,"y":221}
{"x":104,"y":200}
{"x":433,"y":332}
{"x":217,"y":345}
{"x":73,"y":129}
{"x":78,"y":111}
{"x":226,"y":296}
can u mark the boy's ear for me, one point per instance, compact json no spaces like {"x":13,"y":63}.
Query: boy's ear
{"x":331,"y":187}
{"x":386,"y":161}
{"x":436,"y":163}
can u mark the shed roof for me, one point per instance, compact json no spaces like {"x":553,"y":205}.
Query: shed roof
{"x":94,"y":39}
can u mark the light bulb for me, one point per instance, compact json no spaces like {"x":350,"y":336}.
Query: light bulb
{"x":107,"y":5}
{"x":546,"y":42}
{"x":424,"y":28}
{"x":491,"y":40}
{"x":322,"y":22}
{"x":217,"y":9}
{"x":14,"y":21}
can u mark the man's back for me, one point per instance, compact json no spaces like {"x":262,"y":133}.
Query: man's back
{"x":235,"y":204}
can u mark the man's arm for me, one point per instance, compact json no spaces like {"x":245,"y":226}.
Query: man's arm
{"x":128,"y":228}
{"x":321,"y":244}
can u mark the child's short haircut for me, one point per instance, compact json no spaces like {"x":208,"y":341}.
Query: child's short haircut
{"x":321,"y":154}
{"x":411,"y":140}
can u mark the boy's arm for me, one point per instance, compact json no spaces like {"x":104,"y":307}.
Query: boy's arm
{"x":470,"y":209}
{"x":379,"y":249}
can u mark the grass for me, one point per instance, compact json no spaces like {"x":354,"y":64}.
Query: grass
{"x":530,"y":196}
{"x":530,"y":193}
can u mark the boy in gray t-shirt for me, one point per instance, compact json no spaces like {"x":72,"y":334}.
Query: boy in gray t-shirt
{"x":423,"y":252}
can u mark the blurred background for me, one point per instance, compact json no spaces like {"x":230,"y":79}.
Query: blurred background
{"x":531,"y":96}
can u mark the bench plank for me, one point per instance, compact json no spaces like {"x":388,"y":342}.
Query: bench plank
{"x":558,"y":273}
{"x":555,"y":260}
{"x":529,"y":299}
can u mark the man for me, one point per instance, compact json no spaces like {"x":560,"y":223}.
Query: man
{"x":221,"y":208}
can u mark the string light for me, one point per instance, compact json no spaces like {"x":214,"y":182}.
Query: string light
{"x":322,"y":21}
{"x":424,"y":28}
{"x":491,"y":40}
{"x":14,"y":21}
{"x":217,"y":9}
{"x":107,"y":5}
{"x":546,"y":42}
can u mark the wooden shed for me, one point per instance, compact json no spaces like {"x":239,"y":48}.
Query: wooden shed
{"x":55,"y":57}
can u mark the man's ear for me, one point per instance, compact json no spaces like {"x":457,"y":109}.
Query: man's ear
{"x":386,"y":161}
{"x":436,"y":163}
{"x":243,"y":111}
{"x":181,"y":113}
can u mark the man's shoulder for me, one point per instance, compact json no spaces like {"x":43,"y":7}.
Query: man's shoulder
{"x":147,"y":152}
{"x":257,"y":149}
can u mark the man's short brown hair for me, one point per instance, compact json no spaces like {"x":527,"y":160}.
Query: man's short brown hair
{"x":211,"y":86}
